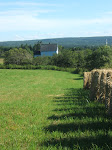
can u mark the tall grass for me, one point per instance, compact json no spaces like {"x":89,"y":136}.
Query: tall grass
{"x":49,"y":110}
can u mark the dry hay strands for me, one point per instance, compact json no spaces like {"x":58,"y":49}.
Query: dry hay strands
{"x":108,"y":96}
{"x":95,"y":84}
{"x":87,"y":80}
{"x":102,"y":87}
{"x":110,"y":105}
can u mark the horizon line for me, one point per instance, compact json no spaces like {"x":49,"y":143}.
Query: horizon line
{"x":53,"y":38}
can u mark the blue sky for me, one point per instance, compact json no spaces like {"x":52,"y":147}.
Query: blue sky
{"x":40,"y":19}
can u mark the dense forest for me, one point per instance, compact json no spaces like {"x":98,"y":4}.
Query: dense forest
{"x":65,"y":42}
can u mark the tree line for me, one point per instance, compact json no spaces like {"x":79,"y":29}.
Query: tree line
{"x":85,"y":58}
{"x":32,"y":49}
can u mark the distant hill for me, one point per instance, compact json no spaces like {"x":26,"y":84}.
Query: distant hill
{"x":65,"y":42}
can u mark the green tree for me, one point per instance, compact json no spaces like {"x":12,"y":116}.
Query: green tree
{"x":80,"y":60}
{"x":64,"y":59}
{"x":42,"y":60}
{"x":27,"y":47}
{"x":18,"y":56}
{"x":36,"y":48}
{"x":98,"y":58}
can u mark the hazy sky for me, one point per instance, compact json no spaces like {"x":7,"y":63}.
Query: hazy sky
{"x":39,"y":19}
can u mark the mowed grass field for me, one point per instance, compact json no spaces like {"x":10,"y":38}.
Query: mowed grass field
{"x":49,"y":110}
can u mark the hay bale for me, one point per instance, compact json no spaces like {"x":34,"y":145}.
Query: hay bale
{"x":95,"y":85}
{"x":110,"y":104}
{"x":108,"y":92}
{"x":100,"y":83}
{"x":87,"y":80}
{"x":102,"y":86}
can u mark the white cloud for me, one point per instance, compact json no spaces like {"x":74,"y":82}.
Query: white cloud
{"x":18,"y":37}
{"x":26,"y":17}
{"x":39,"y":35}
{"x":25,"y":8}
{"x":16,"y":3}
{"x":17,"y":12}
{"x":26,"y":22}
{"x":29,"y":21}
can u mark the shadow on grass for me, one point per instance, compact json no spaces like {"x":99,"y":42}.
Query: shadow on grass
{"x":85,"y":117}
{"x":82,"y":143}
{"x":78,"y":78}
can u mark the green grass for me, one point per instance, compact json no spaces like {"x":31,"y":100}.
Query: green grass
{"x":49,"y":110}
{"x":1,"y":60}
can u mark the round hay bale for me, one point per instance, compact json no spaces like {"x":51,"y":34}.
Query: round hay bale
{"x":108,"y":91}
{"x":95,"y":85}
{"x":87,"y":80}
{"x":102,"y":86}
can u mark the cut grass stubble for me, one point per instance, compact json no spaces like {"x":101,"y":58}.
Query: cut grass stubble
{"x":46,"y":109}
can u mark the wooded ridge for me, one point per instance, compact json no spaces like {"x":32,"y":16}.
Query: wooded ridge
{"x":65,"y":42}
